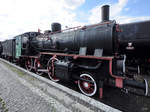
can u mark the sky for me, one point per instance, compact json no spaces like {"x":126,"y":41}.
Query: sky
{"x":19,"y":16}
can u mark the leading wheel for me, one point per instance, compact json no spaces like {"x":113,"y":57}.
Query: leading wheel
{"x":51,"y":69}
{"x":88,"y":87}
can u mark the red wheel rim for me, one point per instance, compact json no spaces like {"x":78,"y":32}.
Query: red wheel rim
{"x":51,"y":70}
{"x":87,"y":88}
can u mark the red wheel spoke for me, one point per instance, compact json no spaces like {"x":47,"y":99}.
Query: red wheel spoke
{"x":51,"y":69}
{"x":86,"y":87}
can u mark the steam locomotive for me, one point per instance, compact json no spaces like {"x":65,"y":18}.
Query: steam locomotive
{"x":92,"y":56}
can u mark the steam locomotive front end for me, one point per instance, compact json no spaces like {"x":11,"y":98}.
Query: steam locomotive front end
{"x":129,"y":45}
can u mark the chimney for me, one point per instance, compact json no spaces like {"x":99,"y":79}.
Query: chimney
{"x":105,"y":13}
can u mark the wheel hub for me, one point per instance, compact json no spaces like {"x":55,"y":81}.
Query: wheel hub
{"x":87,"y":88}
{"x":38,"y":65}
{"x":86,"y":85}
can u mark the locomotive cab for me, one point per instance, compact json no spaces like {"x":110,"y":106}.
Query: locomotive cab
{"x":23,"y":46}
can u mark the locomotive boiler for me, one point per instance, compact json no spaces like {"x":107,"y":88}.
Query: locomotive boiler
{"x":106,"y":53}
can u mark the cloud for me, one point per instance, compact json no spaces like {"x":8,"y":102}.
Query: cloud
{"x":115,"y":13}
{"x":72,"y":4}
{"x":128,"y":19}
{"x":117,"y":7}
{"x":18,"y":16}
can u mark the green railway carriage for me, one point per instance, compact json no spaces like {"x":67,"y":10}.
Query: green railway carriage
{"x":14,"y":48}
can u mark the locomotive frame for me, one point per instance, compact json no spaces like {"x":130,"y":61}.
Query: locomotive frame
{"x":34,"y":65}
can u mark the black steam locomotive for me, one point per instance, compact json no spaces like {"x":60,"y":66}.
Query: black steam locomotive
{"x":92,"y":56}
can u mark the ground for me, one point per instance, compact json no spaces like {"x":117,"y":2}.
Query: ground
{"x":16,"y":96}
{"x":21,"y":92}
